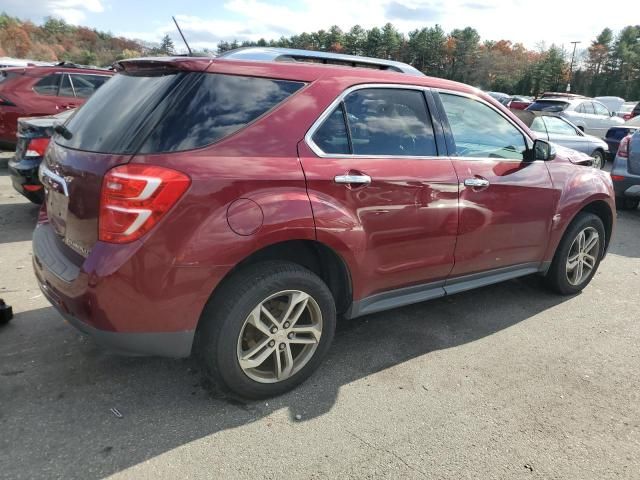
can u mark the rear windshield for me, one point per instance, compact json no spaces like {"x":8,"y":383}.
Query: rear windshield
{"x":154,"y":112}
{"x":547,"y":106}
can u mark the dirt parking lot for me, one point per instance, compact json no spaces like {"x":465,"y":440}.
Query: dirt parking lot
{"x":508,"y":381}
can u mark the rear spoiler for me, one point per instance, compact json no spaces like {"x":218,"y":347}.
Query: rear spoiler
{"x":193,"y":64}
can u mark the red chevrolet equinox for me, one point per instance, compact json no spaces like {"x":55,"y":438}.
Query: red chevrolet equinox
{"x":234,"y":207}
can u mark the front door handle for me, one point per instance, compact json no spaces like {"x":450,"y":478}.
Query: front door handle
{"x":476,"y":182}
{"x":353,"y":179}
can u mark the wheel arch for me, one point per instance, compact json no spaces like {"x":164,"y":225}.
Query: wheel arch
{"x":601,"y":209}
{"x":311,"y":254}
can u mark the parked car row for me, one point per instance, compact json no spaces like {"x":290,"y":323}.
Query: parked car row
{"x":235,"y":207}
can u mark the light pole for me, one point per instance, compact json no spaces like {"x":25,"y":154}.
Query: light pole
{"x":571,"y":65}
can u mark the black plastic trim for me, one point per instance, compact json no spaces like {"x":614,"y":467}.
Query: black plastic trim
{"x":420,"y":293}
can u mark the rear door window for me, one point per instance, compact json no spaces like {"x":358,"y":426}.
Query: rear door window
{"x":66,"y":88}
{"x":48,"y":85}
{"x":85,"y":85}
{"x":388,"y":121}
{"x":587,"y":107}
{"x":600,"y":109}
{"x":154,"y":112}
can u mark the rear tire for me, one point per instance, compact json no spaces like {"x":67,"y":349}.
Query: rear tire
{"x":623,"y":203}
{"x":578,"y":255}
{"x":266,"y":329}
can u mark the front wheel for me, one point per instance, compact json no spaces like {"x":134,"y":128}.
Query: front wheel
{"x":578,"y":255}
{"x":598,"y":160}
{"x":267,"y":329}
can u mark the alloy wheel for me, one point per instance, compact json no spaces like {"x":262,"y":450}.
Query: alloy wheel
{"x":583,"y":255}
{"x":279,"y":336}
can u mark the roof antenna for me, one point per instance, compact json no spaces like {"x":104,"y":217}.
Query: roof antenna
{"x":182,"y":35}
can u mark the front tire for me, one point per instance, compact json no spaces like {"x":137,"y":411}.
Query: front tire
{"x":598,"y":159}
{"x":267,"y":329}
{"x":578,"y":255}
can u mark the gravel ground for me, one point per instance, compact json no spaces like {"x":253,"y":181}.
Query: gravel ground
{"x":508,"y":381}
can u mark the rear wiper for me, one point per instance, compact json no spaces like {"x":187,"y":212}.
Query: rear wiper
{"x":62,"y":130}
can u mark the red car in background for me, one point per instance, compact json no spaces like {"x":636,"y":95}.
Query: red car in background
{"x":38,"y":91}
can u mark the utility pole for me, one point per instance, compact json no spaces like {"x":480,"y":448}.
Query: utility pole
{"x":571,"y":66}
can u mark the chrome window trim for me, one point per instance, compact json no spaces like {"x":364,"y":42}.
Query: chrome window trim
{"x":308,"y":138}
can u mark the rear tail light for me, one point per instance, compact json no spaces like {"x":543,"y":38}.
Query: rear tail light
{"x":623,"y":148}
{"x":626,"y":116}
{"x":36,"y":147}
{"x":135,"y":197}
{"x":6,"y":103}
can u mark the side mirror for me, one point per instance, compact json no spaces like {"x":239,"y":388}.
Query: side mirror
{"x":543,"y":150}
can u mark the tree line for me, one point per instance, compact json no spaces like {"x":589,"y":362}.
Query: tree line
{"x":609,"y":66}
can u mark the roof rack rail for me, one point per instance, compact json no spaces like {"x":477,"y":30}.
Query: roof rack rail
{"x":269,"y":54}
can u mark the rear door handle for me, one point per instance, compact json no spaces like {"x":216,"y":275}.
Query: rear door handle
{"x":359,"y":179}
{"x":476,"y":182}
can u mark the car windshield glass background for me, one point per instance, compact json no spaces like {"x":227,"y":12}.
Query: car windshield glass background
{"x":389,"y":122}
{"x":558,"y":126}
{"x":480,"y":131}
{"x":213,"y":106}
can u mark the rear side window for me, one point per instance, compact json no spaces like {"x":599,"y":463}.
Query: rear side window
{"x":381,"y":121}
{"x":85,"y":85}
{"x":587,"y":107}
{"x":66,"y":89}
{"x":600,"y":109}
{"x":48,"y":85}
{"x":547,"y":106}
{"x":332,"y":136}
{"x":213,"y":106}
{"x":155,"y":112}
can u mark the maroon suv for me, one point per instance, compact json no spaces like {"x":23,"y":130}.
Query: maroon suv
{"x":234,"y":207}
{"x":38,"y":91}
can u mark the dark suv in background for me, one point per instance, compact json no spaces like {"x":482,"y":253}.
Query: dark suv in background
{"x":38,"y":91}
{"x":235,"y":207}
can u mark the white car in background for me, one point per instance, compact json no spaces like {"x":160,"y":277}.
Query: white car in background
{"x":589,"y":115}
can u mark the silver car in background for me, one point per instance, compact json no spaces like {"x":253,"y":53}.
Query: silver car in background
{"x":589,"y":115}
{"x":562,"y":132}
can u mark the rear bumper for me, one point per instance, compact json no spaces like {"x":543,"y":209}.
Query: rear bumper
{"x":24,"y":174}
{"x":628,"y":186}
{"x":121,"y":296}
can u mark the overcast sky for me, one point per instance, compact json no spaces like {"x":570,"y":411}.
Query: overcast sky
{"x":207,"y":22}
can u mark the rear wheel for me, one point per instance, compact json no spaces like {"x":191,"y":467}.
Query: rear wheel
{"x":578,"y":255}
{"x":598,"y":159}
{"x":623,"y":203}
{"x":267,"y":329}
